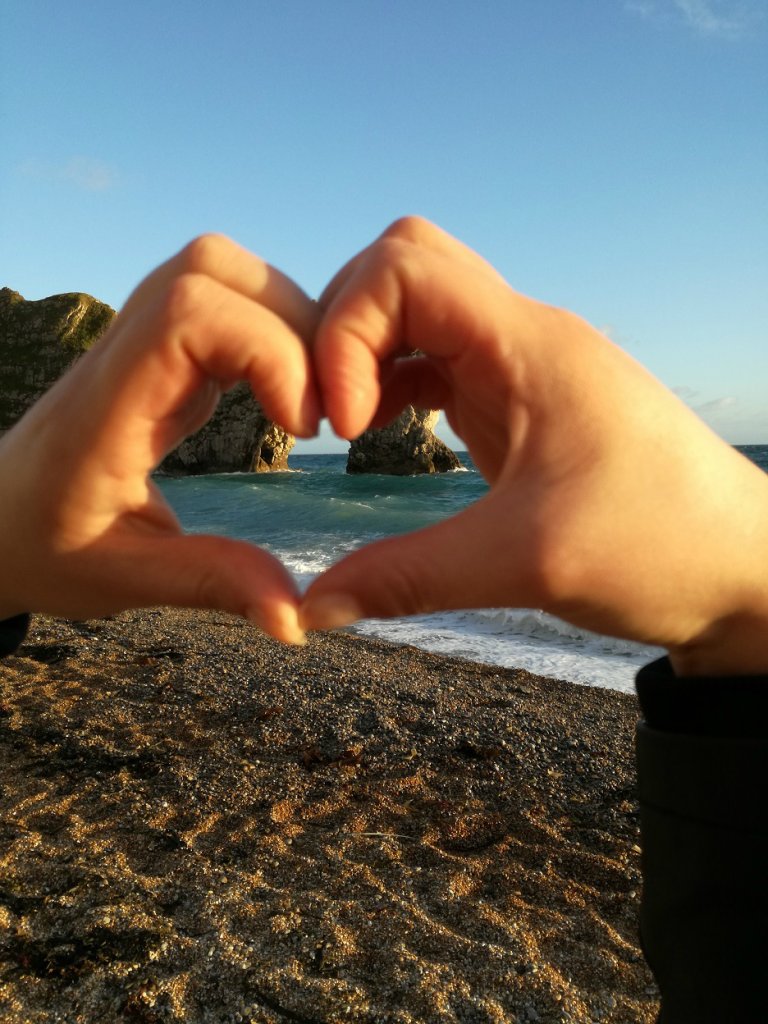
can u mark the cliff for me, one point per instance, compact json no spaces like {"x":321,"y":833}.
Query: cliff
{"x":405,"y":447}
{"x":39,"y":341}
{"x":238,"y":438}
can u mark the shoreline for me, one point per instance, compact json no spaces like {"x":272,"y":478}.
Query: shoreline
{"x":202,"y":825}
{"x":580,"y":666}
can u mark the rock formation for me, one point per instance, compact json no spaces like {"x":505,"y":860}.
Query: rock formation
{"x":405,"y":447}
{"x":40,"y":340}
{"x":238,"y":438}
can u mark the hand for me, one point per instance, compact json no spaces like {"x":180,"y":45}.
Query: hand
{"x":85,"y":530}
{"x":611,"y":504}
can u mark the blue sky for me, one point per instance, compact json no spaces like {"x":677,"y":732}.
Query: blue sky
{"x":607,"y":155}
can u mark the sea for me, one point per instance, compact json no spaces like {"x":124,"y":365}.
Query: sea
{"x":315,"y":514}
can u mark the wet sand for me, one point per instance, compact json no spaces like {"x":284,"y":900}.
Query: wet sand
{"x":198,"y":824}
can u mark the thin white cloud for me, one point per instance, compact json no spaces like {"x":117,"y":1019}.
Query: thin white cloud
{"x":683,"y":391}
{"x":716,"y":17}
{"x":617,"y":336}
{"x":82,"y":172}
{"x":715,"y":406}
{"x":711,"y":407}
{"x":645,"y":8}
{"x":731,"y":417}
{"x":726,"y":19}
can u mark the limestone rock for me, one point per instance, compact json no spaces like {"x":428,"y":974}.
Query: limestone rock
{"x":405,"y":447}
{"x":39,"y":341}
{"x":238,"y":438}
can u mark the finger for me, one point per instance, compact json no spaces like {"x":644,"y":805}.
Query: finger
{"x":207,"y":572}
{"x":422,"y":232}
{"x":419,"y":232}
{"x":416,"y":382}
{"x":399,"y":297}
{"x":143,"y":389}
{"x":348,"y":375}
{"x":234,"y":267}
{"x":233,"y":338}
{"x":425,"y":571}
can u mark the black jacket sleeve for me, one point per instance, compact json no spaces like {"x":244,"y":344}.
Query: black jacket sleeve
{"x":12,"y":633}
{"x":702,"y":758}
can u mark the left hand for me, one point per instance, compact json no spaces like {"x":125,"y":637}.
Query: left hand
{"x":85,"y":530}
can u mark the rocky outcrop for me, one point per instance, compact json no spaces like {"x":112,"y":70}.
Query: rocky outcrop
{"x":405,"y":447}
{"x":238,"y":438}
{"x":40,"y":340}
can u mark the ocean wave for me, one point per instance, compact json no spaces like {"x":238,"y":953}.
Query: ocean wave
{"x":354,"y":504}
{"x":313,"y":518}
{"x":536,"y":624}
{"x":542,"y":648}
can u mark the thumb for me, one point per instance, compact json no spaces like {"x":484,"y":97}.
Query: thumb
{"x":454,"y":564}
{"x":201,"y":571}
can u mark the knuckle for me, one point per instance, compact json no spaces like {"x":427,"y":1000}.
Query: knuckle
{"x":204,"y":253}
{"x":410,"y":228}
{"x":184,"y":295}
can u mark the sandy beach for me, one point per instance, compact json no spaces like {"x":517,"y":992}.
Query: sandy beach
{"x":201,"y":825}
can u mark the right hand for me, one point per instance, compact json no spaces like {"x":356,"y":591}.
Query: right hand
{"x":611,"y":504}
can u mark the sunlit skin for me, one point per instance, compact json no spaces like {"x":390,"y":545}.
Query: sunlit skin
{"x":85,"y":530}
{"x":610,"y":503}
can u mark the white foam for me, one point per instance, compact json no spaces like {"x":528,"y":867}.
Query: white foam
{"x":543,"y":645}
{"x":509,"y":637}
{"x":351,"y":503}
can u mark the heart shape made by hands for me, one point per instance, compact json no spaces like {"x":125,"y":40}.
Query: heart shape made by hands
{"x":542,"y":401}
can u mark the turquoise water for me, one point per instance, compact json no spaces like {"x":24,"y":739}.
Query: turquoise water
{"x":313,"y":516}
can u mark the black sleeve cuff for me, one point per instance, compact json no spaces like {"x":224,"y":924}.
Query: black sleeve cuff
{"x":702,"y":765}
{"x":13,"y":633}
{"x":734,"y":706}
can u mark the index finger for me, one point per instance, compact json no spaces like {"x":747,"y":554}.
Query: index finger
{"x":396,"y":296}
{"x":416,"y":231}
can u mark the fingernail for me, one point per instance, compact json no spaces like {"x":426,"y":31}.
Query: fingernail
{"x":329,"y":611}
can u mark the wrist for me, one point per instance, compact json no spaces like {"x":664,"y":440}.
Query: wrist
{"x":734,"y":646}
